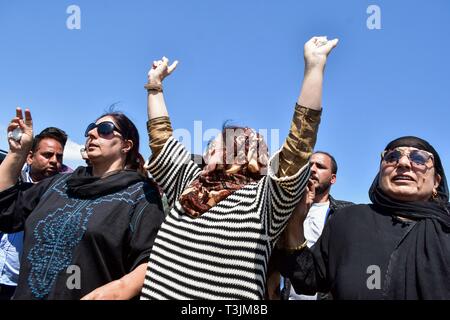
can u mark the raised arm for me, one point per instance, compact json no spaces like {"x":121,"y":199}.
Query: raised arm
{"x":305,"y":123}
{"x":158,"y":125}
{"x":316,"y":51}
{"x":11,"y":166}
{"x":156,"y":106}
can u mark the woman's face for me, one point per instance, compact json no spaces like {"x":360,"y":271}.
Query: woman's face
{"x":103,"y":147}
{"x":406,"y":180}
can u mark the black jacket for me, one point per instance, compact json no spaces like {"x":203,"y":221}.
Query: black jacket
{"x":81,"y":232}
{"x":334,"y":206}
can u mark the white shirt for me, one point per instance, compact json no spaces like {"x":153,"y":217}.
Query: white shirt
{"x":314,"y":222}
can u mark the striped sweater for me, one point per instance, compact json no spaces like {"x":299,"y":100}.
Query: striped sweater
{"x":223,"y":254}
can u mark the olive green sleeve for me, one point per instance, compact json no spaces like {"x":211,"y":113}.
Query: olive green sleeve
{"x":159,"y":130}
{"x":300,"y":141}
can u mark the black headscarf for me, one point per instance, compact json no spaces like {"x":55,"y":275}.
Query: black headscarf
{"x":419,"y":267}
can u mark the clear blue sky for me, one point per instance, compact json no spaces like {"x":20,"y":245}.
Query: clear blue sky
{"x":240,"y":60}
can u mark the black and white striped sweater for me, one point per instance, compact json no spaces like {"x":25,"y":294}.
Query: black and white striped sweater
{"x":223,"y":254}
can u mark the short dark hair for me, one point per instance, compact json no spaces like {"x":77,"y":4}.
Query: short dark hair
{"x":49,"y":133}
{"x":334,"y":166}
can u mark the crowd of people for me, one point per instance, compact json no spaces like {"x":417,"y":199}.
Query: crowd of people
{"x":236,"y":224}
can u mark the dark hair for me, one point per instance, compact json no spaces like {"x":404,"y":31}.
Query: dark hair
{"x":134,"y":159}
{"x":49,"y":133}
{"x":334,"y":166}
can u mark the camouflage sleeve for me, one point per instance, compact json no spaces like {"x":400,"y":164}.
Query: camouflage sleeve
{"x":300,"y":141}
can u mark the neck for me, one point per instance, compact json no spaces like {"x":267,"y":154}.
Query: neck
{"x":320,"y":198}
{"x":36,"y":178}
{"x":101,"y":169}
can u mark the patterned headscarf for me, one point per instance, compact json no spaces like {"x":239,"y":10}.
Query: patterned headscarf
{"x":236,"y":157}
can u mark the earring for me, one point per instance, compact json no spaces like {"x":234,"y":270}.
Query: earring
{"x":434,"y":194}
{"x":124,"y":151}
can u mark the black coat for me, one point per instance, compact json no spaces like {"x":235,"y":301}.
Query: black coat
{"x":81,"y":237}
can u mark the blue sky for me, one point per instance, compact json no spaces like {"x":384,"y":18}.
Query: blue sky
{"x":239,"y":60}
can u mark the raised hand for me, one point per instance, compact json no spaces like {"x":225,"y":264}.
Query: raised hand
{"x":24,"y":140}
{"x":316,"y":50}
{"x":160,"y":69}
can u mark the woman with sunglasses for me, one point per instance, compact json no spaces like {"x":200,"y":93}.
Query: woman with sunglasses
{"x":225,"y":219}
{"x":396,"y":248}
{"x":87,"y":234}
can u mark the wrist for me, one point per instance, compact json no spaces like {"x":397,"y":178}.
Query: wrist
{"x":315,"y":65}
{"x":296,"y":247}
{"x":154,"y":87}
{"x":17,"y":156}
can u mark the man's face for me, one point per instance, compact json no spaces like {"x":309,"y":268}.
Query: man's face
{"x":46,"y":161}
{"x":321,"y":174}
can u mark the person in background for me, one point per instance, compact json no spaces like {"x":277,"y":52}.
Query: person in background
{"x":323,"y":206}
{"x":398,"y":247}
{"x":88,"y":234}
{"x":44,"y":160}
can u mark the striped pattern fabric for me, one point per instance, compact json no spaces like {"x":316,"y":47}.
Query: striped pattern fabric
{"x":222,"y":254}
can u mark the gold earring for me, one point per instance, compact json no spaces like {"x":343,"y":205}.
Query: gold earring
{"x":434,"y":194}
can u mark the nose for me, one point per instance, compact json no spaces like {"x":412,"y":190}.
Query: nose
{"x":93,"y":134}
{"x":53,"y":160}
{"x":404,"y":162}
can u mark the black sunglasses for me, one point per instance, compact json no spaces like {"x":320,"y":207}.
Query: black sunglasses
{"x":104,"y":128}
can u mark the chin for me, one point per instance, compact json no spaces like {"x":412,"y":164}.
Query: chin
{"x":404,"y":195}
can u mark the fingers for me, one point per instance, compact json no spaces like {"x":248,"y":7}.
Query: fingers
{"x":172,"y":67}
{"x":28,"y":118}
{"x":317,"y":39}
{"x":13,"y":125}
{"x":164,"y":62}
{"x":334,"y":42}
{"x":19,"y":113}
{"x":323,"y":40}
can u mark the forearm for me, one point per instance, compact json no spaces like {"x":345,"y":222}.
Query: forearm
{"x":293,"y":234}
{"x":132,"y":282}
{"x":124,"y":288}
{"x":311,"y":91}
{"x":10,"y":169}
{"x":156,"y":105}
